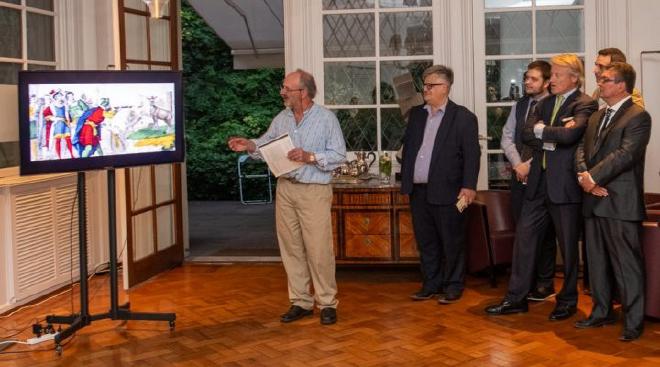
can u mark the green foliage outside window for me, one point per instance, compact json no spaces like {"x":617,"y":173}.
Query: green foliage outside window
{"x":220,"y":102}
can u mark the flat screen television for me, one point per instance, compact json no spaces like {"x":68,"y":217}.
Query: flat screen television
{"x":87,"y":120}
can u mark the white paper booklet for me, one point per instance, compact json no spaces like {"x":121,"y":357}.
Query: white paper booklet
{"x":274,"y":153}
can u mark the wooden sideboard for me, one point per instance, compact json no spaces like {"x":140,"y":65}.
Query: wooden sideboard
{"x":371,"y":223}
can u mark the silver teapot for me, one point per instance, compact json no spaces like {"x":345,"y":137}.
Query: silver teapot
{"x":361,"y":161}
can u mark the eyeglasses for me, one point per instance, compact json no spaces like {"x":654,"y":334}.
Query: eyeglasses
{"x":287,"y":89}
{"x":608,"y":80}
{"x":429,"y":86}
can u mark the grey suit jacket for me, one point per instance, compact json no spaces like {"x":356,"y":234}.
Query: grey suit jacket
{"x":616,"y":162}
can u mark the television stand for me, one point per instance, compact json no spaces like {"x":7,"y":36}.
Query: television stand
{"x":116,"y":312}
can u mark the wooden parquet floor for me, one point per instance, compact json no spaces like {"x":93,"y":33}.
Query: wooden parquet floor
{"x":229,"y":315}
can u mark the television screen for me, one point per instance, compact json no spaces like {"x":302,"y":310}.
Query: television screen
{"x":85,"y":120}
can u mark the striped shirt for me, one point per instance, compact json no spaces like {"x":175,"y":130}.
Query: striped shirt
{"x":318,"y":132}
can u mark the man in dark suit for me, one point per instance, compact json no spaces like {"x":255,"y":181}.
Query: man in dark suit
{"x":439,"y":171}
{"x":553,"y":195}
{"x":610,"y":166}
{"x":537,"y":84}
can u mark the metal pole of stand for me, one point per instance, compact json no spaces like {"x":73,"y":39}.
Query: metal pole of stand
{"x":82,"y":248}
{"x":112,"y":225}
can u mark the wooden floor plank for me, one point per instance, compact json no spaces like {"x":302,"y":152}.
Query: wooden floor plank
{"x":229,"y":315}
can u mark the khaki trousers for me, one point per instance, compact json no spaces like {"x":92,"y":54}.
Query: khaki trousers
{"x":304,"y":233}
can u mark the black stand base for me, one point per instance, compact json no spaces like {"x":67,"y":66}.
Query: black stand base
{"x":117,"y":312}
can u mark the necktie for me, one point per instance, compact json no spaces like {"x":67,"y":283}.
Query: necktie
{"x":558,"y":101}
{"x":604,"y":122}
{"x":532,"y":105}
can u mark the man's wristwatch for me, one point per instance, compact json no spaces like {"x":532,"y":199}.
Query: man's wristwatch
{"x":312,"y":158}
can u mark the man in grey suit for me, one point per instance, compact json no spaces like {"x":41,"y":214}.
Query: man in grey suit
{"x":610,"y":166}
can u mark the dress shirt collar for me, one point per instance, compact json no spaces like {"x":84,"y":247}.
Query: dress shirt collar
{"x":429,"y":109}
{"x":618,"y":104}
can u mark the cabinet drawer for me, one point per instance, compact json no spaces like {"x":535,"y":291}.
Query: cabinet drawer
{"x":405,"y":223}
{"x":378,"y":246}
{"x":401,"y":198}
{"x":380,"y":198}
{"x":407,"y":246}
{"x":367,"y":222}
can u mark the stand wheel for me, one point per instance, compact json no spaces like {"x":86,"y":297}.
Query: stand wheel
{"x":172,"y":324}
{"x":58,"y":350}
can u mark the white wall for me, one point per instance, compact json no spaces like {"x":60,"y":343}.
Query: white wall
{"x":644,"y":25}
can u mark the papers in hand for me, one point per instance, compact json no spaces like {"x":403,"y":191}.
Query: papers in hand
{"x":274,"y":153}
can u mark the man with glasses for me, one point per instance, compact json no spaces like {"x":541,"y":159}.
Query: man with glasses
{"x":439,"y":170}
{"x":610,"y":166}
{"x":604,"y":58}
{"x":537,"y":82}
{"x":304,"y":196}
{"x":553,"y":196}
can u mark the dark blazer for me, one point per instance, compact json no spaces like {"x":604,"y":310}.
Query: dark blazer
{"x":455,"y":157}
{"x":616,"y":162}
{"x":562,"y":185}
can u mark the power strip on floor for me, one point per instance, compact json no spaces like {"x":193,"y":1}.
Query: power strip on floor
{"x":41,"y":339}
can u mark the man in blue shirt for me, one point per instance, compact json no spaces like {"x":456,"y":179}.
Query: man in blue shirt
{"x":304,"y":196}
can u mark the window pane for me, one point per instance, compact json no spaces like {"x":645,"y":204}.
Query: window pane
{"x":349,"y":35}
{"x":40,"y":67}
{"x":509,"y":33}
{"x":558,"y":2}
{"x":406,"y":34}
{"x":141,"y":187}
{"x":347,"y":4}
{"x":559,"y":31}
{"x":160,"y":39}
{"x":143,"y":235}
{"x":391,"y":69}
{"x":136,"y":37}
{"x":137,"y":67}
{"x":166,"y":227}
{"x":392,"y":127}
{"x":507,"y":3}
{"x":496,"y":118}
{"x":135,"y":4}
{"x":40,"y":37}
{"x":18,"y":2}
{"x":41,"y":4}
{"x":10,"y":42}
{"x":350,"y":83}
{"x":9,"y":154}
{"x":164,"y":179}
{"x":504,"y":79}
{"x":359,"y":128}
{"x":499,"y":171}
{"x":9,"y":73}
{"x":404,"y":3}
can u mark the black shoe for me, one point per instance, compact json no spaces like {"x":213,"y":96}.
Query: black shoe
{"x":295,"y":313}
{"x":562,"y":312}
{"x":591,"y":322}
{"x":449,"y":298}
{"x":507,"y":307}
{"x":630,"y":335}
{"x":423,"y":295}
{"x":541,"y":294}
{"x":328,"y":316}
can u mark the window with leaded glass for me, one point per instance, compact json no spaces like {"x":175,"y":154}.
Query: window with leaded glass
{"x":516,"y":33}
{"x":366,"y":44}
{"x":27,"y":42}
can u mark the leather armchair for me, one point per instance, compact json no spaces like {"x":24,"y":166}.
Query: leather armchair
{"x":490,"y":232}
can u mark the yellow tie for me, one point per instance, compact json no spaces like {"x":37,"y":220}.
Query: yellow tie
{"x":558,"y":102}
